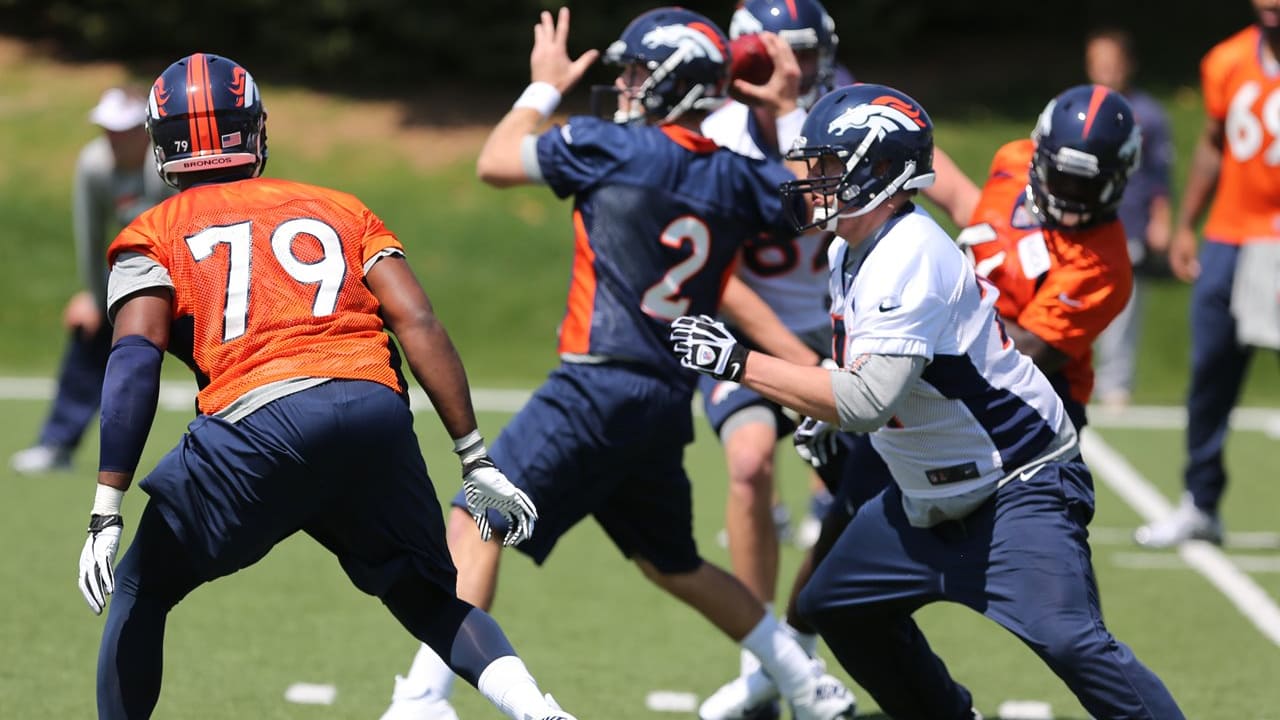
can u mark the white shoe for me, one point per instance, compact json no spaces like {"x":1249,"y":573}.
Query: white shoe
{"x":417,"y":707}
{"x":807,"y":533}
{"x":743,"y":697}
{"x":40,"y":459}
{"x":1187,"y":522}
{"x":827,"y":699}
{"x":558,"y":713}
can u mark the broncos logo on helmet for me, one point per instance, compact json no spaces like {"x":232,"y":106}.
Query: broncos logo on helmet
{"x":884,"y":115}
{"x":700,"y":43}
{"x":879,"y":139}
{"x":204,"y":114}
{"x":687,"y":60}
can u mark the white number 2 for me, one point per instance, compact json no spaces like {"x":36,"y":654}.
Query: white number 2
{"x":1244,"y":130}
{"x":662,"y":299}
{"x":328,"y":272}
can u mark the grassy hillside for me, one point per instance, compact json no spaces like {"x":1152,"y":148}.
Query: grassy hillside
{"x":495,"y":262}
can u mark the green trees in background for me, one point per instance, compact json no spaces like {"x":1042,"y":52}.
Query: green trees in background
{"x":374,"y":46}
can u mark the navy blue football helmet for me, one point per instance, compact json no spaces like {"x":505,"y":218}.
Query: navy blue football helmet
{"x":863,"y":143}
{"x":804,"y":25}
{"x":687,"y":59}
{"x":1087,"y":146}
{"x":204,"y":114}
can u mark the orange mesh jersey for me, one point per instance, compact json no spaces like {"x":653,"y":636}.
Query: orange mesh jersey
{"x":1063,"y":286}
{"x":1244,"y":94}
{"x":269,"y":284}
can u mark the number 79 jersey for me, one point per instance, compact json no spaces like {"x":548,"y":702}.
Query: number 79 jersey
{"x":268,"y":284}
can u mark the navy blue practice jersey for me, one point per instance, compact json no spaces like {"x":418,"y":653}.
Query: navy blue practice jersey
{"x":659,"y":215}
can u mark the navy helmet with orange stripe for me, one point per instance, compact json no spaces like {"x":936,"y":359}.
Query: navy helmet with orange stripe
{"x":1087,"y":145}
{"x":674,"y":60}
{"x":863,"y":144}
{"x":806,"y":27}
{"x":205,"y":116}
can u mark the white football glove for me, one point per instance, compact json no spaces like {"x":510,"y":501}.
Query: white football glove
{"x":97,"y":560}
{"x":816,"y":441}
{"x":486,"y":488}
{"x":704,"y":344}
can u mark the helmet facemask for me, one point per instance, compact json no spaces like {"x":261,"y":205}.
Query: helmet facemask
{"x":650,"y":98}
{"x":848,"y":182}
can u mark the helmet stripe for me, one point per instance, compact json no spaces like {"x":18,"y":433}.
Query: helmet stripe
{"x":791,"y":8}
{"x":193,"y":129}
{"x":1095,"y":102}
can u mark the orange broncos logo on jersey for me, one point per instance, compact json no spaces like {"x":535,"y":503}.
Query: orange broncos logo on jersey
{"x":1063,"y":286}
{"x":271,"y":275}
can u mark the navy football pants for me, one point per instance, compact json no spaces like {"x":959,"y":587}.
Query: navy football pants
{"x":79,"y":392}
{"x":340,"y":462}
{"x":1218,"y":365}
{"x":1021,"y":559}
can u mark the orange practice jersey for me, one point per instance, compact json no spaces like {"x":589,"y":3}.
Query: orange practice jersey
{"x":1245,"y":95}
{"x":268,"y":282}
{"x":1063,"y":286}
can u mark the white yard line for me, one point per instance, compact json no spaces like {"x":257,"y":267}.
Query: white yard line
{"x":1138,"y":493}
{"x":1172,"y":561}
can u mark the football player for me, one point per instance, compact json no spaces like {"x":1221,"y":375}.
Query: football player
{"x":791,"y":279}
{"x":279,"y":296}
{"x":1046,"y":233}
{"x":659,"y":216}
{"x":1235,"y":163}
{"x":989,"y":499}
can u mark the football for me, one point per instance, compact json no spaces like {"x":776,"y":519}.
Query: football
{"x":751,"y":60}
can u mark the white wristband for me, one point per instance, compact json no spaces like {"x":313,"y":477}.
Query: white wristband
{"x":470,"y":446}
{"x":541,"y":96}
{"x":106,"y":501}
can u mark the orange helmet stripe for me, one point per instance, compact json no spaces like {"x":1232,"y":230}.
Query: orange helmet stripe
{"x":1095,"y":102}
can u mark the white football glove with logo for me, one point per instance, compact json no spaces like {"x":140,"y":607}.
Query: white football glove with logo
{"x":704,"y":344}
{"x":486,"y":488}
{"x":816,"y":441}
{"x":98,"y":558}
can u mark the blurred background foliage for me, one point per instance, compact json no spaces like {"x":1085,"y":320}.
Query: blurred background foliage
{"x":995,"y":56}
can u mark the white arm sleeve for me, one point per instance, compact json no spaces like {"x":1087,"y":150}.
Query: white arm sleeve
{"x":870,"y":394}
{"x":529,"y":159}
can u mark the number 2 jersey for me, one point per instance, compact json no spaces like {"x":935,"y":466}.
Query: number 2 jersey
{"x":1242,"y":89}
{"x":1063,"y":286}
{"x":659,"y":215}
{"x":790,"y":277}
{"x":268,"y":286}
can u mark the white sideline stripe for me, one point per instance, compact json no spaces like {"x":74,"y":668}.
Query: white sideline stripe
{"x":1170,"y":561}
{"x":180,"y":395}
{"x":310,"y":693}
{"x":672,"y":701}
{"x":1253,"y":540}
{"x":1250,"y":599}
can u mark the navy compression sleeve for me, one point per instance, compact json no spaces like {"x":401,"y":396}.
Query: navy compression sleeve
{"x":130,"y":391}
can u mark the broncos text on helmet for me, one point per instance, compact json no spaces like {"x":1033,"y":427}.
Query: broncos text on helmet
{"x":204,"y":114}
{"x":805,"y":26}
{"x":863,"y":143}
{"x":1087,"y":145}
{"x":686,"y":57}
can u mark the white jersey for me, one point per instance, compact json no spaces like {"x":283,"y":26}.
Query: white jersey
{"x":790,"y":278}
{"x":981,"y":412}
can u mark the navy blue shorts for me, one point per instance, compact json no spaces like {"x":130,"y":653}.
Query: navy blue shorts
{"x":606,"y":441}
{"x":339,"y":461}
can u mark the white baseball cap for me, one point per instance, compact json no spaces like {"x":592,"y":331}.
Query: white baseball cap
{"x":118,"y":111}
